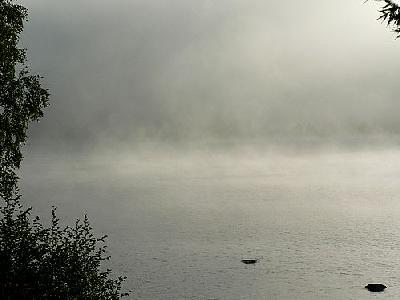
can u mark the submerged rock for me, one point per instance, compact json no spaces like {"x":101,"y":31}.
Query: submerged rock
{"x":249,"y":261}
{"x":375,"y":287}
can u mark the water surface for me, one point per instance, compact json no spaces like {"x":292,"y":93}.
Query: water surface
{"x":321,"y":224}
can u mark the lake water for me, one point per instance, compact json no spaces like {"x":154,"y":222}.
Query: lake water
{"x":321,"y":224}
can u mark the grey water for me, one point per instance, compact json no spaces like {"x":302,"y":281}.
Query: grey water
{"x":322,"y":224}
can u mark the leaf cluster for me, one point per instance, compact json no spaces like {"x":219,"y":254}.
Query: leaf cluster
{"x":22,"y":98}
{"x":390,"y":14}
{"x":54,"y":262}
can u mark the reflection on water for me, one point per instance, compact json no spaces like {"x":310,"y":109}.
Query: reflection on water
{"x":322,"y":225}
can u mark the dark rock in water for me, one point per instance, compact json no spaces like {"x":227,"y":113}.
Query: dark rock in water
{"x":249,"y":261}
{"x":375,"y":287}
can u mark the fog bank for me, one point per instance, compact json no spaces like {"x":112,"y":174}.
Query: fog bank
{"x":125,"y":72}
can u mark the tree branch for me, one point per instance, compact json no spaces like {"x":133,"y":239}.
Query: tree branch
{"x":390,"y":14}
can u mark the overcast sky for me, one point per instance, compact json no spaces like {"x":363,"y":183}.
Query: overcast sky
{"x":133,"y":70}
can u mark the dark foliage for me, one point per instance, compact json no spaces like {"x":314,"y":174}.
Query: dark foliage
{"x":22,"y":98}
{"x":38,"y":262}
{"x":52,"y":263}
{"x":390,"y":14}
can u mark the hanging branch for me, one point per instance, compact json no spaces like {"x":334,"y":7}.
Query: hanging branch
{"x":390,"y":14}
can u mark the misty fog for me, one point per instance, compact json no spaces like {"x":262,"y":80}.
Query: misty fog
{"x":220,"y":130}
{"x":125,"y":72}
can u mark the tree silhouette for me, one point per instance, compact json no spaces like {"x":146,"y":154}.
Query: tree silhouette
{"x":22,"y":97}
{"x":390,"y":14}
{"x":38,"y":262}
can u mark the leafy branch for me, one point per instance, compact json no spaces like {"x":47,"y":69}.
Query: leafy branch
{"x":390,"y":14}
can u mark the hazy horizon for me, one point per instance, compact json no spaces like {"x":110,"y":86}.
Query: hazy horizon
{"x":201,"y":133}
{"x":136,"y":71}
